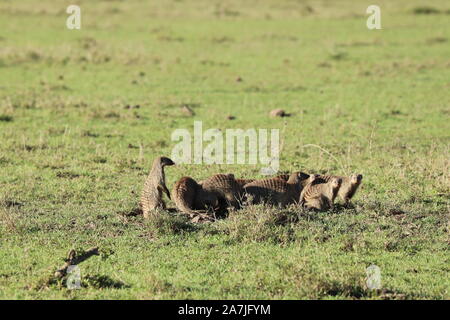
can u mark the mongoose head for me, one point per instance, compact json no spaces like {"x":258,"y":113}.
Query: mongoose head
{"x":303,"y":176}
{"x":299,"y":176}
{"x":335,"y":183}
{"x":356,"y":178}
{"x":164,"y":161}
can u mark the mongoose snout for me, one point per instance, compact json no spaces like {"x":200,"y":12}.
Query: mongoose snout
{"x":166,"y":161}
{"x":356,"y":178}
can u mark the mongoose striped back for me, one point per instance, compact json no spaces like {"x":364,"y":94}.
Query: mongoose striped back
{"x":274,"y":191}
{"x":320,"y":195}
{"x":225,"y":187}
{"x":284,"y":177}
{"x":154,"y":186}
{"x":348,"y":187}
{"x":302,"y":176}
{"x":183,"y":194}
{"x":243,"y":182}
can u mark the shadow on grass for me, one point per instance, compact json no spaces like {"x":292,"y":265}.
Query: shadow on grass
{"x":102,"y":282}
{"x":10,"y":204}
{"x":138,"y":212}
{"x":336,"y":288}
{"x":6,"y":118}
{"x":426,"y":10}
{"x":167,"y":223}
{"x":261,"y":223}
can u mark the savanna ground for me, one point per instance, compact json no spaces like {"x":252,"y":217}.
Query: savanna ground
{"x":83,"y":113}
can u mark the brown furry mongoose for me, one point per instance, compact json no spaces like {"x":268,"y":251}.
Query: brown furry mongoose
{"x":319,"y":194}
{"x":226,"y":188}
{"x":274,"y":191}
{"x":348,"y":187}
{"x":154,"y":186}
{"x":189,"y":197}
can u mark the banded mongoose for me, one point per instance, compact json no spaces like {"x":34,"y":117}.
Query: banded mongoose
{"x":284,"y":177}
{"x":154,"y":186}
{"x":240,"y":182}
{"x":189,"y":197}
{"x":274,"y":191}
{"x":226,"y":188}
{"x":319,"y":194}
{"x":348,"y":187}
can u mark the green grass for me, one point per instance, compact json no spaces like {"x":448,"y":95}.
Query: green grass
{"x":73,"y":158}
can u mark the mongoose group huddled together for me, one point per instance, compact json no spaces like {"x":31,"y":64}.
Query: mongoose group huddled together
{"x":214,"y":196}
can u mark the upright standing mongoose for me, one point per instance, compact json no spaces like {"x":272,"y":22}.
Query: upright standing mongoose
{"x":275,"y":191}
{"x":348,"y":187}
{"x":319,"y":194}
{"x":227,"y":190}
{"x":189,"y":197}
{"x":155,"y":185}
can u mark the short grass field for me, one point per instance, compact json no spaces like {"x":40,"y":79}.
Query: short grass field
{"x":83,"y":113}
